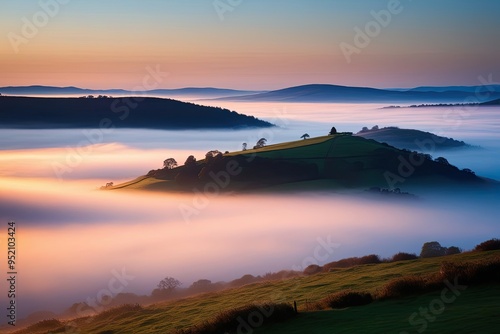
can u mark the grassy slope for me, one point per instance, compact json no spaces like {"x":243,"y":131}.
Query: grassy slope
{"x":166,"y":316}
{"x":474,"y":311}
{"x":316,"y":149}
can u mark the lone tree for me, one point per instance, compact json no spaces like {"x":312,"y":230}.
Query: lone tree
{"x":244,"y":146}
{"x":305,"y":136}
{"x":260,"y":143}
{"x":169,"y":284}
{"x":333,"y":131}
{"x":170,"y":163}
{"x":212,"y":154}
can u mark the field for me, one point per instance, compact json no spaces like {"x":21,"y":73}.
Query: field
{"x":478,"y":305}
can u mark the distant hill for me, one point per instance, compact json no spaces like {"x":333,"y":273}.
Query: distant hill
{"x":150,"y":113}
{"x":468,"y":89}
{"x":491,"y":103}
{"x":323,"y":163}
{"x":201,"y":92}
{"x":345,"y":94}
{"x":409,"y":139}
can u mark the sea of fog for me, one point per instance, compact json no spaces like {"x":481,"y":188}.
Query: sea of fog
{"x":73,"y":239}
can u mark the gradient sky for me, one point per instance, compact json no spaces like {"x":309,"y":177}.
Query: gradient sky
{"x":260,"y":44}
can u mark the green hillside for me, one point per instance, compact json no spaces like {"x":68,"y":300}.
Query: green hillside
{"x":477,"y":304}
{"x":341,"y":161}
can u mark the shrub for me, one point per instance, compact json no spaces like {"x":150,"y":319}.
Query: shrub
{"x":312,"y":269}
{"x":401,"y":256}
{"x":492,"y":244}
{"x":472,"y":272}
{"x":402,"y":286}
{"x":370,"y":259}
{"x":453,"y":250}
{"x":233,"y":320}
{"x":348,"y":298}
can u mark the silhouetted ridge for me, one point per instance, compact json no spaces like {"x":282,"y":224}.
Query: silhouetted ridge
{"x":129,"y":112}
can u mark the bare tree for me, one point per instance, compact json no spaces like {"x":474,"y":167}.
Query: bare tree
{"x":244,"y":146}
{"x":169,"y":163}
{"x":305,"y":136}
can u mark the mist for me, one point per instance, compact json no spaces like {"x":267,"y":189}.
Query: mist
{"x":72,"y":237}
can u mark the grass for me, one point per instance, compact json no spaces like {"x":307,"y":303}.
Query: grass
{"x":166,"y":317}
{"x":475,"y":310}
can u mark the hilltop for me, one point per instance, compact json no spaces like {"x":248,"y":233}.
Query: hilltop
{"x":127,"y":112}
{"x":200,"y":92}
{"x":338,"y":161}
{"x":411,"y":139}
{"x":346,"y":94}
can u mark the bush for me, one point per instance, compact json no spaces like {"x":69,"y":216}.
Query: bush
{"x":472,"y":272}
{"x":312,"y":269}
{"x":401,"y":256}
{"x":403,"y":286}
{"x":453,"y":250}
{"x":233,"y":320}
{"x":370,"y":259}
{"x":489,"y":245}
{"x":348,"y":298}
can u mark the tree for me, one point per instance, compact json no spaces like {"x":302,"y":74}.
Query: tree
{"x":432,"y":249}
{"x":170,"y":163}
{"x":375,"y":128}
{"x":401,"y":256}
{"x":469,"y":171}
{"x":260,"y":143}
{"x":333,"y":131}
{"x":453,"y":250}
{"x":488,"y":245}
{"x":200,"y":284}
{"x":244,"y":146}
{"x":442,"y":160}
{"x":364,"y":129}
{"x":169,"y":284}
{"x":210,"y":155}
{"x":305,"y":136}
{"x":190,"y":161}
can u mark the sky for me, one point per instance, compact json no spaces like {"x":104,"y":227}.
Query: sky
{"x":248,"y":44}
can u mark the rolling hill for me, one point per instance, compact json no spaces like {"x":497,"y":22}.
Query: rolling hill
{"x":337,"y":161}
{"x":200,"y":92}
{"x":410,"y":139}
{"x":334,"y":93}
{"x":475,"y":310}
{"x":128,"y":112}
